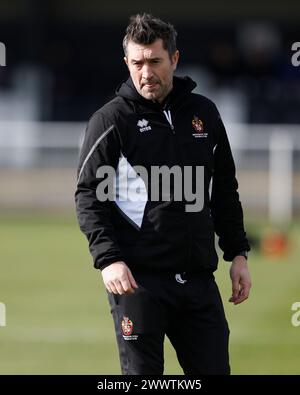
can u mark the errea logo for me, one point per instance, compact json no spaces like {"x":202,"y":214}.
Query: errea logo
{"x":143,"y":125}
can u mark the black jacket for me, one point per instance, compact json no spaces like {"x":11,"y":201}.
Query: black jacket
{"x":186,"y":130}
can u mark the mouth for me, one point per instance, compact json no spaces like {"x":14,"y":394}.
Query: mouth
{"x":151,"y":85}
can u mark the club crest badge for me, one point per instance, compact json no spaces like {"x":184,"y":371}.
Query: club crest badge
{"x":198,"y":127}
{"x":127,"y":326}
{"x":127,"y":329}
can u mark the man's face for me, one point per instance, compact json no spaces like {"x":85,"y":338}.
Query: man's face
{"x":151,"y":69}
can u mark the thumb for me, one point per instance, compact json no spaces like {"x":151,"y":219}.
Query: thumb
{"x":131,"y":279}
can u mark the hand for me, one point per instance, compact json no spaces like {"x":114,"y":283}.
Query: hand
{"x":118,"y":278}
{"x":241,"y":281}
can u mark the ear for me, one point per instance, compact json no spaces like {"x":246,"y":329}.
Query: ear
{"x":175,"y":58}
{"x":125,"y":60}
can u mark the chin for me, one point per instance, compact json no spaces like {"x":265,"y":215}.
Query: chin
{"x":150,"y":96}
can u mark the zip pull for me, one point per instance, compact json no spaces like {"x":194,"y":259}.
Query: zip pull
{"x":169,"y":119}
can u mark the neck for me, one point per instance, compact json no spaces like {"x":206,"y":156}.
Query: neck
{"x":162,"y":99}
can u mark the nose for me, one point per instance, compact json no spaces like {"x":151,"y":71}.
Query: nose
{"x":147,"y":73}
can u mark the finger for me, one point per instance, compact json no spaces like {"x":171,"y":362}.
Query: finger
{"x":244,"y":294}
{"x":126,"y":284}
{"x":119,"y":286}
{"x":108,"y":288}
{"x":113,"y":288}
{"x":132,"y":280}
{"x":240,"y":300}
{"x":127,"y":287}
{"x":246,"y":290}
{"x":235,"y":289}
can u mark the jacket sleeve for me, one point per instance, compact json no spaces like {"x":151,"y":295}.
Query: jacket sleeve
{"x":101,"y":146}
{"x":226,"y":208}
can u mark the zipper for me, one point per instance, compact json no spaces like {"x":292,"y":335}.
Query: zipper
{"x":189,"y":234}
{"x":169,"y":119}
{"x":167,"y":114}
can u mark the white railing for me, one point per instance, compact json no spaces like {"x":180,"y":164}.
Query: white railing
{"x":34,"y":145}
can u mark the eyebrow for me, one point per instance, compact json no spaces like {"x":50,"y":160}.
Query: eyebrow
{"x":142,"y":60}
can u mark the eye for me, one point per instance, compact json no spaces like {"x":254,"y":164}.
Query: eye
{"x":137,"y":63}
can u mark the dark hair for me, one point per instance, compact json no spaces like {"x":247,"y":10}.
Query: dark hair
{"x":145,"y":29}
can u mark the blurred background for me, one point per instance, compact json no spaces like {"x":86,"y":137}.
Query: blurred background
{"x":63,"y":61}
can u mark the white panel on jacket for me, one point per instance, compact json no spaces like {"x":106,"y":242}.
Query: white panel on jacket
{"x":131,"y":192}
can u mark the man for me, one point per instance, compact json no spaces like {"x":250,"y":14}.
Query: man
{"x":156,"y":255}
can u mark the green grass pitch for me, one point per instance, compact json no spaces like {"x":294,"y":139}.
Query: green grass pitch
{"x":58,"y":318}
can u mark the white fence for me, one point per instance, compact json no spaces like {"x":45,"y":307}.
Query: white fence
{"x":267,"y":159}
